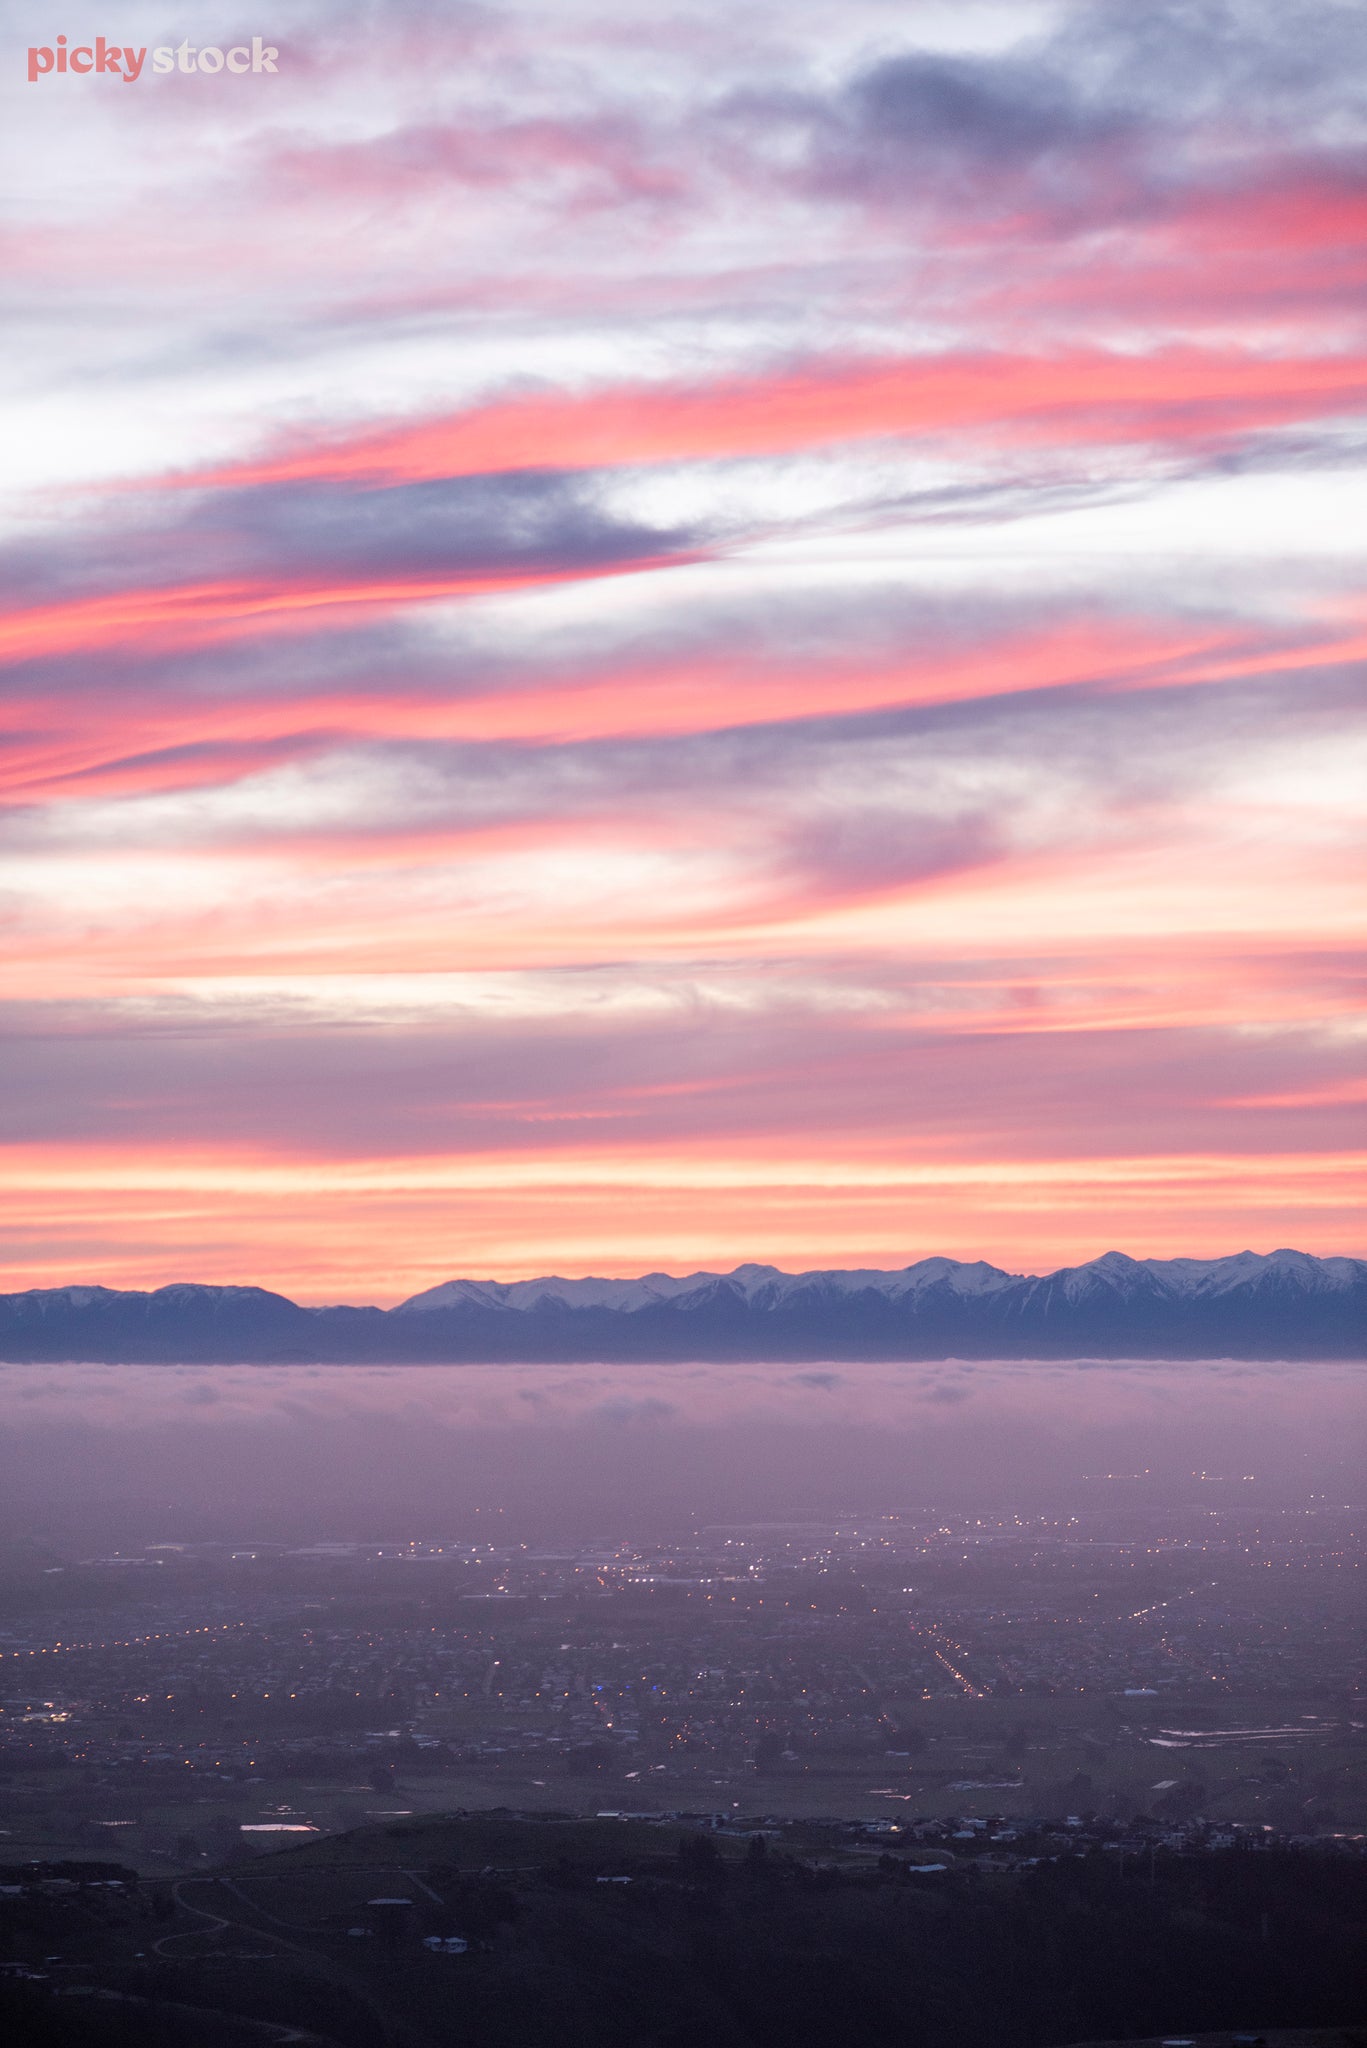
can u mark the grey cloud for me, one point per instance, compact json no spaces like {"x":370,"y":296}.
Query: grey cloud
{"x":1003,"y":110}
{"x":1111,"y":114}
{"x":522,"y":519}
{"x":510,"y":521}
{"x":1274,"y":61}
{"x":918,"y":125}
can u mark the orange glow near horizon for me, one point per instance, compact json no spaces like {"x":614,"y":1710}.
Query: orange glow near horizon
{"x":379,"y":1234}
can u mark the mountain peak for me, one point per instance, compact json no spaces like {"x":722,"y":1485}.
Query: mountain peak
{"x":1283,"y":1304}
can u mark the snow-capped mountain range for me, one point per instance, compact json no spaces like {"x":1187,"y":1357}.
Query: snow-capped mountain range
{"x":1283,"y":1304}
{"x":760,"y":1286}
{"x":765,"y":1287}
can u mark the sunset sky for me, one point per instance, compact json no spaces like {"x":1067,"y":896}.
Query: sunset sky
{"x":645,"y":636}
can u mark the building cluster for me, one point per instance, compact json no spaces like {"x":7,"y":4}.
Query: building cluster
{"x":1118,"y":1663}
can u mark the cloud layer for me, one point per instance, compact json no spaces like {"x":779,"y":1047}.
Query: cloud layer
{"x":620,"y":656}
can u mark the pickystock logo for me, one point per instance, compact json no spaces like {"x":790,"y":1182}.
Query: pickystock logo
{"x":120,"y":60}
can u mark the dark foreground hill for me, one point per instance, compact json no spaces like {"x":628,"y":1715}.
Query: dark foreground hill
{"x":1284,"y":1305}
{"x":668,"y":1939}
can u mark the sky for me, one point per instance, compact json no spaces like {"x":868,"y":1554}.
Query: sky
{"x":636,"y":638}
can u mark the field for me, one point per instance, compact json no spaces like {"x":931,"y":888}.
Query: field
{"x":1010,"y":1757}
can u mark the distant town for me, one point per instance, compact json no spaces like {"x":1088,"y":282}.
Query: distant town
{"x":1000,"y":1684}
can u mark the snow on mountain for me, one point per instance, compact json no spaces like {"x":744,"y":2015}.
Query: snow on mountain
{"x":1282,"y":1304}
{"x":1285,"y":1268}
{"x":976,"y":1277}
{"x":760,"y":1285}
{"x":175,"y":1291}
{"x":1202,"y":1279}
{"x":1113,"y":1282}
{"x":60,"y":1300}
{"x":588,"y":1293}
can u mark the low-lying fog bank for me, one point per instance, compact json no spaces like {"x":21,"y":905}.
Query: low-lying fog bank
{"x":265,"y":1450}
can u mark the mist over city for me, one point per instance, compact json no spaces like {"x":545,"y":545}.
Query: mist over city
{"x":315,"y":1678}
{"x":356,"y":1451}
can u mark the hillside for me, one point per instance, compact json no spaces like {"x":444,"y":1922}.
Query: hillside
{"x":546,"y":1937}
